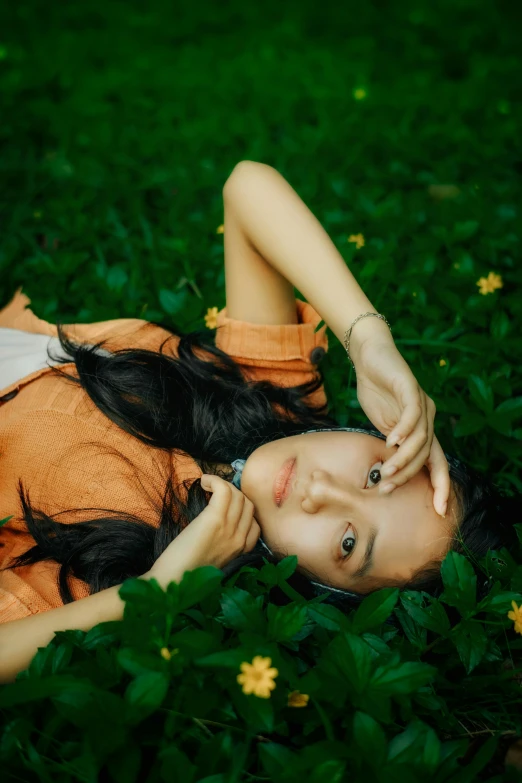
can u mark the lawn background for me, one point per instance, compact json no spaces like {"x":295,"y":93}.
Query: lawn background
{"x":120,"y":123}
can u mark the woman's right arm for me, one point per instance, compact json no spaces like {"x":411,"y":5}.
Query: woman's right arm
{"x":20,"y":639}
{"x":222,"y":531}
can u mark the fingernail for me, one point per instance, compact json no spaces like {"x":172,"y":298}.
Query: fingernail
{"x":388,"y":470}
{"x":386,"y":489}
{"x":444,"y":508}
{"x":391,"y":441}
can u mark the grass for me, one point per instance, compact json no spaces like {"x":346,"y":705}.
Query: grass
{"x":121,"y":122}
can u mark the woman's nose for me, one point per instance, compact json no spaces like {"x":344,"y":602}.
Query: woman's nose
{"x":323,"y":489}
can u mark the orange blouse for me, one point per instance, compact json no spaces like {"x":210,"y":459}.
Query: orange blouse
{"x":53,"y":437}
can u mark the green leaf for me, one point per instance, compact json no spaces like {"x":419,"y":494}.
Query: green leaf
{"x":225,"y":659}
{"x":4,"y":521}
{"x":286,"y":567}
{"x":417,"y":744}
{"x":175,"y":765}
{"x":465,"y":230}
{"x":501,"y":603}
{"x":329,"y":771}
{"x":328,"y":616}
{"x":267,"y":574}
{"x":284,"y":622}
{"x":147,"y":692}
{"x":242,"y":611}
{"x":194,"y":642}
{"x":415,"y":633}
{"x":481,"y":393}
{"x":351,"y":656}
{"x":258,"y":713}
{"x":219,"y":778}
{"x":471,"y":642}
{"x":116,"y":278}
{"x":137,"y":662}
{"x":141,"y":591}
{"x":469,"y":424}
{"x":276,"y":758}
{"x":500,"y":564}
{"x":501,"y":423}
{"x":103,"y":634}
{"x":468,"y":774}
{"x":511,"y":408}
{"x":198,"y":584}
{"x":375,"y":609}
{"x":460,"y":582}
{"x":370,"y":739}
{"x":377,"y":646}
{"x":33,"y":689}
{"x":402,"y":678}
{"x":319,"y":325}
{"x":516,"y":580}
{"x":500,"y":325}
{"x":172,"y":303}
{"x":433,"y":617}
{"x":125,"y":763}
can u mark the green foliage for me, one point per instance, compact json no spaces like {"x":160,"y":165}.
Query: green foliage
{"x":120,"y":124}
{"x":157,"y":693}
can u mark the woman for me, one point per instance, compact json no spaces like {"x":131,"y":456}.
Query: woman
{"x":158,"y":410}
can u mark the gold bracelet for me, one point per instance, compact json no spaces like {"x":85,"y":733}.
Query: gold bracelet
{"x":348,"y":333}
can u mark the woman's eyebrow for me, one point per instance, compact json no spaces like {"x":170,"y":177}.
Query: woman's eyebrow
{"x":367,"y":561}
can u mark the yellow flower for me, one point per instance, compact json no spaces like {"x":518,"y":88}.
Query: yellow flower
{"x":220,"y":229}
{"x":211,"y":318}
{"x":257,"y":677}
{"x":415,"y":293}
{"x":167,"y":654}
{"x":490,"y":283}
{"x":37,"y":214}
{"x":516,"y":616}
{"x":456,"y":266}
{"x":357,"y":239}
{"x":442,"y":363}
{"x":297,"y":699}
{"x":359,"y":94}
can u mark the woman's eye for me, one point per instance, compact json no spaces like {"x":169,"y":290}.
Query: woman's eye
{"x":348,"y":544}
{"x":375,"y":474}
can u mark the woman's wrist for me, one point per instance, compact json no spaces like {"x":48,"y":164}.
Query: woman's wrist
{"x":367,"y":332}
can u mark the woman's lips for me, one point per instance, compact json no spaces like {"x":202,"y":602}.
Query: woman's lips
{"x":282,"y":483}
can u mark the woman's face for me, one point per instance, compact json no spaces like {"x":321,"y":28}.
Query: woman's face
{"x":334,"y":510}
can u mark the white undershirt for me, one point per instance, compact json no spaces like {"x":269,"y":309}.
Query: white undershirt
{"x":22,"y":353}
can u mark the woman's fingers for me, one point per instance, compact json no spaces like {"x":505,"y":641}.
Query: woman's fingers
{"x":440,"y":478}
{"x":234,"y":506}
{"x":413,"y":454}
{"x":420,"y":449}
{"x":413,"y":434}
{"x":226,"y":499}
{"x":413,"y":410}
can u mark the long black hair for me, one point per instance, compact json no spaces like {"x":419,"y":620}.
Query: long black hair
{"x":199,"y":403}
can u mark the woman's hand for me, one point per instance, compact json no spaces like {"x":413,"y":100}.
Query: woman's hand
{"x":223,"y":530}
{"x":391,"y":397}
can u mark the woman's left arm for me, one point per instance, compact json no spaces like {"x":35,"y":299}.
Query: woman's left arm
{"x":285,"y":232}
